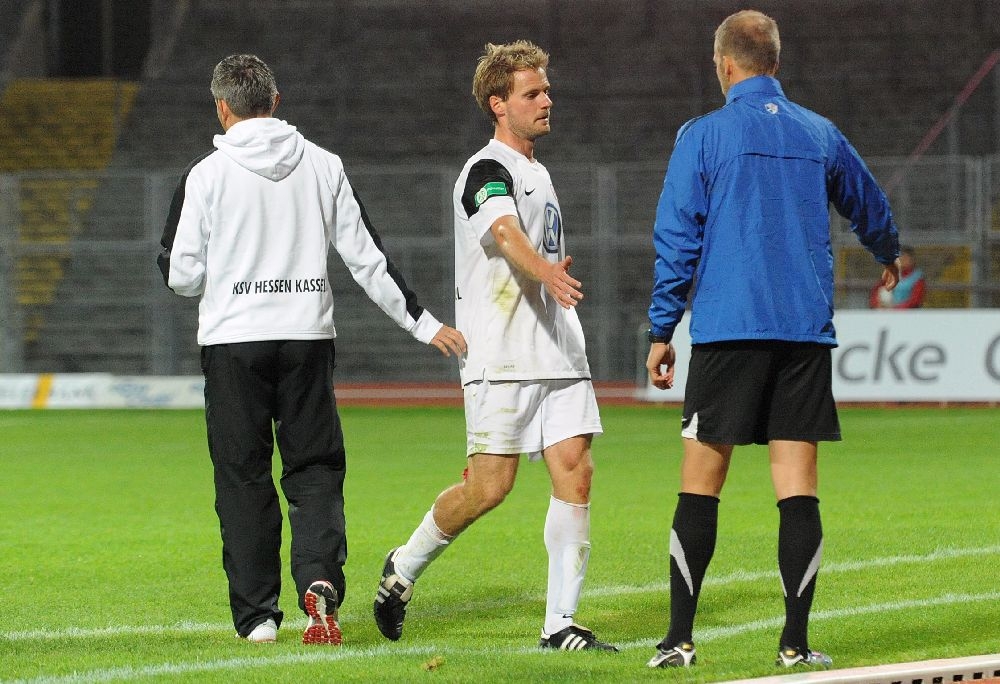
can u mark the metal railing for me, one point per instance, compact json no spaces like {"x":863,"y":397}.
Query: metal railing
{"x":109,"y":310}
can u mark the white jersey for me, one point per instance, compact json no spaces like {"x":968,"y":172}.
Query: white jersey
{"x":250,"y":229}
{"x":514,"y":329}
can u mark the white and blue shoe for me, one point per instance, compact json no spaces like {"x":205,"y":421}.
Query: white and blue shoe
{"x":789,"y":656}
{"x":681,"y":655}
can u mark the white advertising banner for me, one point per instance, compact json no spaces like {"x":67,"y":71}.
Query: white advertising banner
{"x":100,"y":390}
{"x":928,"y":355}
{"x":915,"y":355}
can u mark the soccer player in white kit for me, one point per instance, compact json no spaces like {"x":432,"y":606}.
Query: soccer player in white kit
{"x":526,"y":377}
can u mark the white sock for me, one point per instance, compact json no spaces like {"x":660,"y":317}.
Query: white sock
{"x":425,"y":544}
{"x":567,"y":539}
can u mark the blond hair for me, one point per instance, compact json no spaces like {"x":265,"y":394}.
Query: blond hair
{"x":750,"y":38}
{"x":497,"y":66}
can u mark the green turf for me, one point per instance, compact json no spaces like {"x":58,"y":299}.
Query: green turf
{"x":110,"y":554}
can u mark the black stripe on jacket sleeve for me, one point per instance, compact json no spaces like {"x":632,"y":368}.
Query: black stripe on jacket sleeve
{"x":412,"y":307}
{"x":173,"y":218}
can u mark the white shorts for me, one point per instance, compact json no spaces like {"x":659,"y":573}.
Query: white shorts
{"x":528,"y":416}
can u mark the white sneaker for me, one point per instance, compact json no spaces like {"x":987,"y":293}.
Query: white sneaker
{"x":264,"y":633}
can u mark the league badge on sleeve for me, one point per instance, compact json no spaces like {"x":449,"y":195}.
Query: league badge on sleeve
{"x":490,"y":189}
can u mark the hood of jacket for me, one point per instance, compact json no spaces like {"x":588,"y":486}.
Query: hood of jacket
{"x":269,"y":147}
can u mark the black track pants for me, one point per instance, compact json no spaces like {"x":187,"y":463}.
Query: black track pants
{"x":256,"y":392}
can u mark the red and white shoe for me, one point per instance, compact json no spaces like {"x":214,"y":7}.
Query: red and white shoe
{"x":321,"y":606}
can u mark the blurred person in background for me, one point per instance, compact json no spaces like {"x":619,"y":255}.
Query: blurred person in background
{"x":249,"y":231}
{"x":526,"y":377}
{"x":908,"y":293}
{"x":744,"y":214}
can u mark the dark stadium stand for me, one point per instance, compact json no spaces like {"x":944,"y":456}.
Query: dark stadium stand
{"x":625,"y":75}
{"x":11,"y":11}
{"x":388,"y":82}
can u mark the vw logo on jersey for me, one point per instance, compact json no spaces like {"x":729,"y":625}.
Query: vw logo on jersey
{"x":553,"y":229}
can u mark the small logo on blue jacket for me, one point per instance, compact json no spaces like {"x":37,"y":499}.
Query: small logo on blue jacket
{"x":771,"y":108}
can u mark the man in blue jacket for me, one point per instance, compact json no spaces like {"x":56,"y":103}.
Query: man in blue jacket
{"x":744,"y":215}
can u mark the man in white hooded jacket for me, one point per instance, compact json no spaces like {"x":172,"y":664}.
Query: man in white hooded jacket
{"x":249,"y":231}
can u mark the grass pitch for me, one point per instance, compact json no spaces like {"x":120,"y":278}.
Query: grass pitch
{"x":110,"y":564}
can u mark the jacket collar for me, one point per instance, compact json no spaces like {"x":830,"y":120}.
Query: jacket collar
{"x":767,"y":85}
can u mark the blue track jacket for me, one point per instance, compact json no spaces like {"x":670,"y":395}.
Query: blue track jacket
{"x":744,"y":213}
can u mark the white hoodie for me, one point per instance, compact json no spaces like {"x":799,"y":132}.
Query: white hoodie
{"x":250,"y":229}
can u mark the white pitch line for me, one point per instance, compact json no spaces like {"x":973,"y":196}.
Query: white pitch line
{"x":98,"y":632}
{"x":713,"y":633}
{"x":826,"y":568}
{"x":129,"y":673}
{"x":614,"y":590}
{"x":854,"y":611}
{"x":936,"y":555}
{"x":345,"y":653}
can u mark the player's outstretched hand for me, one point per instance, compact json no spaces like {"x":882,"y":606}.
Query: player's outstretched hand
{"x":561,"y":286}
{"x":661,"y":354}
{"x":890,"y":275}
{"x":449,"y":341}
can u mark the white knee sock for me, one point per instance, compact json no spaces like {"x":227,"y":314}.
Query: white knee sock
{"x":425,"y":544}
{"x":567,"y":539}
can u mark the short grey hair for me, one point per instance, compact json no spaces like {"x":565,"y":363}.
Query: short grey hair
{"x":751,"y":39}
{"x":246,"y":84}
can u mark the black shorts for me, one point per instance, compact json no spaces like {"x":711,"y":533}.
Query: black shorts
{"x":750,"y":392}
